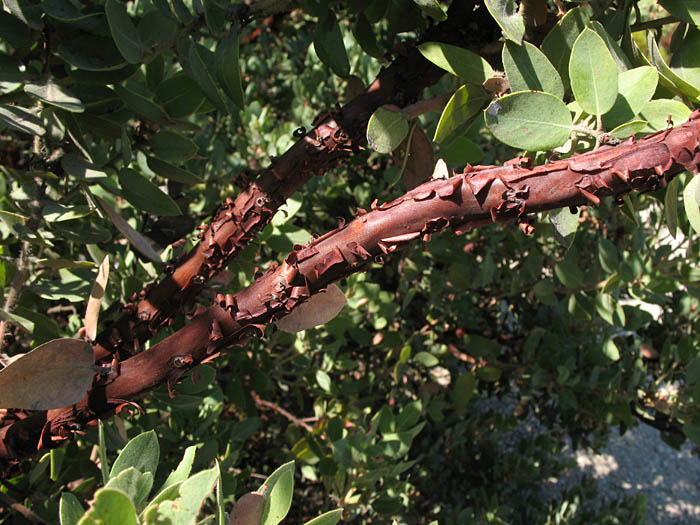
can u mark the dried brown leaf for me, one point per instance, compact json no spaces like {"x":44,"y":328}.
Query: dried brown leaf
{"x":420,"y":161}
{"x":247,"y":510}
{"x":318,"y":310}
{"x":53,"y":375}
{"x":92,"y":310}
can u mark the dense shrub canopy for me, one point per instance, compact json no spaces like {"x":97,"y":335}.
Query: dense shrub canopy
{"x":126,"y":125}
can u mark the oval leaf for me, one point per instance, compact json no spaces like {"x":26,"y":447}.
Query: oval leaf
{"x":168,"y":171}
{"x":110,"y":506}
{"x":277,"y":494}
{"x":529,"y":120}
{"x":417,"y":159}
{"x":664,"y":113}
{"x":559,"y":41}
{"x":507,"y":15}
{"x":92,"y":311}
{"x":691,"y":203}
{"x":386,"y":130}
{"x":317,"y":310}
{"x":21,"y":119}
{"x":528,"y":68}
{"x":328,"y":43}
{"x":197,"y":69}
{"x":247,"y":509}
{"x":466,"y":102}
{"x":124,"y":32}
{"x":55,"y":95}
{"x":172,"y":147}
{"x":635,"y":89}
{"x":144,"y":195}
{"x":327,"y":518}
{"x":593,"y":73}
{"x":468,"y":66}
{"x":53,"y":375}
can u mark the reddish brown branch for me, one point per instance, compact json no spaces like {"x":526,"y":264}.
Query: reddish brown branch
{"x":477,"y":196}
{"x":239,"y":220}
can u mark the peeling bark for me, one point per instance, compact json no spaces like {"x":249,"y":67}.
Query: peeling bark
{"x":476,"y":196}
{"x":237,"y":221}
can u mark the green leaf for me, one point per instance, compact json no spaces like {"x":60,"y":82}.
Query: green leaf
{"x":173,"y":147}
{"x":55,"y":95}
{"x":329,"y":46}
{"x":228,"y":68}
{"x":64,"y":11}
{"x":686,"y":61}
{"x":690,"y":203}
{"x":529,"y":120}
{"x":386,"y":130}
{"x":426,"y":359}
{"x":170,"y":172}
{"x":657,"y":113}
{"x":182,"y":472}
{"x":671,"y":206}
{"x":327,"y":518}
{"x":110,"y":506}
{"x":635,"y":89}
{"x":144,"y":195}
{"x":593,"y":73}
{"x":362,"y":31}
{"x":135,"y":484}
{"x":141,"y":452}
{"x":569,"y":274}
{"x":489,"y":374}
{"x":688,"y":10}
{"x":80,"y":168}
{"x":610,"y":350}
{"x":182,"y":12}
{"x":466,"y":102}
{"x":215,"y":16}
{"x":21,"y":119}
{"x":432,"y":8}
{"x":140,"y":105}
{"x":198,"y":71}
{"x":409,"y":415}
{"x":507,"y":15}
{"x":560,"y":40}
{"x":14,"y":31}
{"x":69,"y":509}
{"x":461,"y":150}
{"x":565,"y":225}
{"x":628,"y":129}
{"x":469,"y":66}
{"x":607,"y":255}
{"x":462,"y":392}
{"x":102,"y":452}
{"x":667,"y":73}
{"x":27,"y":11}
{"x":179,"y":95}
{"x":277,"y":491}
{"x":527,"y":68}
{"x":17,"y":320}
{"x":124,"y":32}
{"x":323,"y":380}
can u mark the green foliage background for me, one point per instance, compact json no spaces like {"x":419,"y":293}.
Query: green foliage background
{"x":152,"y":107}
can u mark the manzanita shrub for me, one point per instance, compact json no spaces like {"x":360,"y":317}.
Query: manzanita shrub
{"x":176,"y":179}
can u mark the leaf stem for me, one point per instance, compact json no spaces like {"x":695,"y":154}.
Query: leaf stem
{"x":653,"y":24}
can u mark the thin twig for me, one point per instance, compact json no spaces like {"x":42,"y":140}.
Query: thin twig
{"x":425,"y":106}
{"x":15,"y":288}
{"x":18,"y":507}
{"x":653,"y":24}
{"x":261,"y":403}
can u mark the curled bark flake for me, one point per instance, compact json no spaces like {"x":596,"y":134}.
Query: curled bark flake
{"x":360,"y":212}
{"x":423,"y":195}
{"x":479,"y":185}
{"x":331,"y":259}
{"x":357,"y":249}
{"x":519,"y":162}
{"x":526,"y":227}
{"x":450,"y":189}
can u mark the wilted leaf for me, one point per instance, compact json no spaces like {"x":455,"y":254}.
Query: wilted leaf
{"x":55,"y":95}
{"x":317,"y":310}
{"x":469,"y":66}
{"x":386,"y":130}
{"x":124,"y":32}
{"x":417,"y":159}
{"x":140,"y":243}
{"x":593,"y":73}
{"x":92,"y":310}
{"x":247,"y":510}
{"x":529,"y":120}
{"x":53,"y":375}
{"x":507,"y":15}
